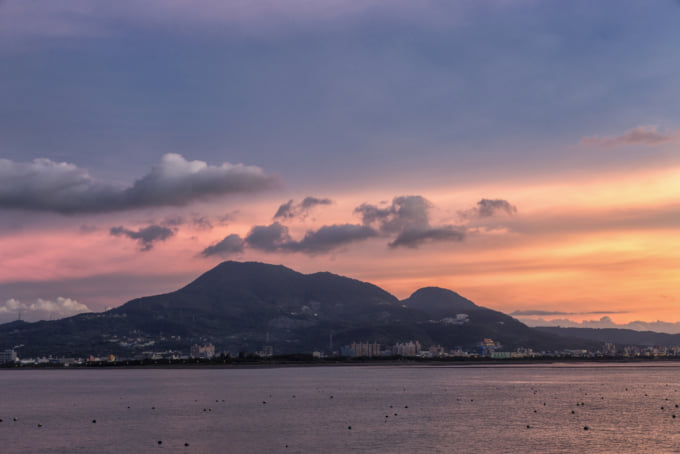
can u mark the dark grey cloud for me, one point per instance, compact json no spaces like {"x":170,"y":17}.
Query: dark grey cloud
{"x":202,"y":223}
{"x":285,"y":210}
{"x":231,"y":244}
{"x":405,"y":213}
{"x":45,"y":185}
{"x":276,"y":238}
{"x":331,"y":237}
{"x":408,"y":218}
{"x":412,"y":238}
{"x":197,"y":221}
{"x":146,"y":236}
{"x":490,"y":207}
{"x":290,"y":209}
{"x":269,"y":238}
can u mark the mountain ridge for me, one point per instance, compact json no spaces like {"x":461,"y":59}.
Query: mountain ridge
{"x":242,"y":306}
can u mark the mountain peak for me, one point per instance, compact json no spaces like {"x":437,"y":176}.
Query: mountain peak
{"x":439,"y":302}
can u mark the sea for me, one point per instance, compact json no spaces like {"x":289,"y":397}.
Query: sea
{"x":545,"y":408}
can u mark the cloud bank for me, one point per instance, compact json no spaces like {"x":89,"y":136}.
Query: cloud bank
{"x":543,"y":313}
{"x":41,"y":309}
{"x":45,"y":185}
{"x":405,"y":222}
{"x":276,"y":238}
{"x":607,"y":322}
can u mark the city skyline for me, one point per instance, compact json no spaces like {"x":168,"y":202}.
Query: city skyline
{"x":523,"y":154}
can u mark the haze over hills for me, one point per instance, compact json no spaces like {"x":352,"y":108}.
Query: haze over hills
{"x":244,"y":306}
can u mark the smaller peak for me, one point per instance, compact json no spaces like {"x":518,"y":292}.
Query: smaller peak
{"x":435,"y":291}
{"x":438,"y":302}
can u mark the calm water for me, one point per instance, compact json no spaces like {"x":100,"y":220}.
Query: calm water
{"x":390,"y":410}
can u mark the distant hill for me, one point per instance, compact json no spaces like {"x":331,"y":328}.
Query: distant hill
{"x":615,"y":335}
{"x":244,"y":306}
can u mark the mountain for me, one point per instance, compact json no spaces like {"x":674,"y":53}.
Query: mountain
{"x":244,"y":306}
{"x":455,"y":320}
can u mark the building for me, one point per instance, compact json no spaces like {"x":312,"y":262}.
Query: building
{"x":206,"y":351}
{"x":437,"y":350}
{"x":368,"y":349}
{"x":410,"y":348}
{"x":8,"y":356}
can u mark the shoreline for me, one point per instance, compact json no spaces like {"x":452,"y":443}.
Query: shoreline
{"x":279,"y":364}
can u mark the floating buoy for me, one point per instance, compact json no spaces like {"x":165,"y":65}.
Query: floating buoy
{"x":528,"y":426}
{"x":349,"y":427}
{"x":39,"y":425}
{"x":160,"y":442}
{"x":585,"y":427}
{"x":187,"y":444}
{"x":94,"y":421}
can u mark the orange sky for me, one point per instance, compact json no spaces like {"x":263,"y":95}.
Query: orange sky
{"x":609,"y":245}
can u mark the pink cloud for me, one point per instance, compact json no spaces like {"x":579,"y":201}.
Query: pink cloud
{"x":83,"y":17}
{"x":640,"y":135}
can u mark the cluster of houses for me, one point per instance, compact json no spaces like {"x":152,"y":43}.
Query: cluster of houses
{"x":413,"y":348}
{"x":487,"y":348}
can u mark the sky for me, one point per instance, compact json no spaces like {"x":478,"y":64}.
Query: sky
{"x":522,"y":153}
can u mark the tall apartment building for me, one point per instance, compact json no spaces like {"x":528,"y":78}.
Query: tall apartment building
{"x":409,"y":348}
{"x":365,"y":349}
{"x":7,"y":356}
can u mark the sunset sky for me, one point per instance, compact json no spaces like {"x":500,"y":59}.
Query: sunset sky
{"x":522,"y":153}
